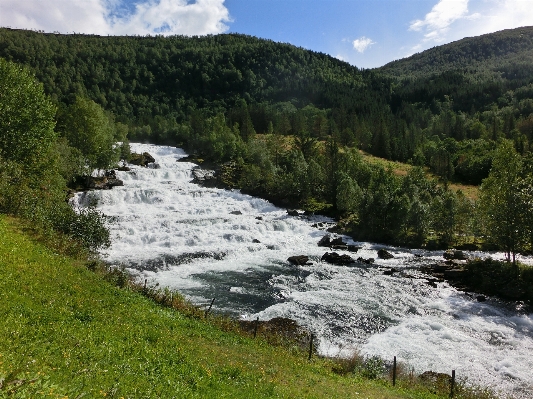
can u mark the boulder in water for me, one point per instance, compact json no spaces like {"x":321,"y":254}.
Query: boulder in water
{"x":384,"y":254}
{"x":353,"y":248}
{"x":141,"y":159}
{"x":298,"y":260}
{"x":325,"y":241}
{"x":293,"y":212}
{"x":336,"y":259}
{"x":454,"y":255}
{"x":390,"y":272}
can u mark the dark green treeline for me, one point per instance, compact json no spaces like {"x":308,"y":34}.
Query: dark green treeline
{"x":292,"y":121}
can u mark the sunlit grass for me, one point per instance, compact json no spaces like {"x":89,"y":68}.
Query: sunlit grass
{"x":66,"y":332}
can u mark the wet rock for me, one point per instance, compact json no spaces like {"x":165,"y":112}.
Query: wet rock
{"x":384,"y":254}
{"x":353,"y":248}
{"x":336,"y":259}
{"x":256,"y":241}
{"x":333,"y":229}
{"x":368,"y":261}
{"x":105,"y":182}
{"x":481,"y":298}
{"x":298,"y":260}
{"x":293,"y":212}
{"x":454,"y":274}
{"x":337,"y":241}
{"x":325,"y":241}
{"x":390,"y":272}
{"x":141,"y":159}
{"x":236,"y":212}
{"x":258,"y":218}
{"x":204,"y":177}
{"x":438,"y":268}
{"x":433,"y":282}
{"x":340,"y":247}
{"x":454,"y":255}
{"x":123,"y":169}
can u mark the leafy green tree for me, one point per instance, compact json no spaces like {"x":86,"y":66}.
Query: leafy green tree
{"x":349,"y":194}
{"x":90,"y":130}
{"x":501,"y":203}
{"x":443,"y":210}
{"x":26,"y":116}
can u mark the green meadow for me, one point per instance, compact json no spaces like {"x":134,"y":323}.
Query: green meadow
{"x":67,"y":332}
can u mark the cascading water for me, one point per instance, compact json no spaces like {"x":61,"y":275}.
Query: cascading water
{"x":211,"y":243}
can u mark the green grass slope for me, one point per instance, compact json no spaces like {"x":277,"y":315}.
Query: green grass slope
{"x":67,"y":333}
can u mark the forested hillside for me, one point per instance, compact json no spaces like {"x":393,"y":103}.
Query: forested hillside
{"x":292,"y":121}
{"x":477,"y":73}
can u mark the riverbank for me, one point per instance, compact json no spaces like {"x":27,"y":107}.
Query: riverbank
{"x":67,"y":332}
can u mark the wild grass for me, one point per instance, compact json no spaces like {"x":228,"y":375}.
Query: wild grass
{"x":67,"y":332}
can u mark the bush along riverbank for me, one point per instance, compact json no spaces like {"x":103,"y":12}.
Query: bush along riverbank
{"x":488,"y":277}
{"x":74,"y":328}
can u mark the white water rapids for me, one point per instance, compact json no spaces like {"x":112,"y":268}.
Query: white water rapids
{"x":210,"y":243}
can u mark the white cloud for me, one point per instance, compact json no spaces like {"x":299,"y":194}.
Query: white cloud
{"x":495,"y":15}
{"x":362,"y":44}
{"x":168,"y":17}
{"x":451,"y":20}
{"x":437,"y":22}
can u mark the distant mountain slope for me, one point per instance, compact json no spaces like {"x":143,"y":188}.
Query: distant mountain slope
{"x":140,"y":77}
{"x":476,"y":73}
{"x":494,"y":51}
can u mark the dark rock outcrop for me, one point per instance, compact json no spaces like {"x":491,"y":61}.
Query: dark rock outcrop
{"x":336,"y":243}
{"x":384,"y":254}
{"x":105,"y":182}
{"x":454,"y":255}
{"x":390,"y":272}
{"x":336,"y":259}
{"x":141,"y":159}
{"x":368,"y":261}
{"x":298,"y":260}
{"x":325,"y":241}
{"x":204,"y":177}
{"x":293,"y":212}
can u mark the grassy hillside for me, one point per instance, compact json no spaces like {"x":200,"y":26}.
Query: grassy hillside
{"x":65,"y":332}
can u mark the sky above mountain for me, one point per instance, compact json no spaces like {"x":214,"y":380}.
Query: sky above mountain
{"x":365,"y":33}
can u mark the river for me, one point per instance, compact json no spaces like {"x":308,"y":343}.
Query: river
{"x":211,"y":243}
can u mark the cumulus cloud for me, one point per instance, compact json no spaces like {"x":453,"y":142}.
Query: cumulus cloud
{"x":362,"y":44}
{"x":107,"y":17}
{"x":495,"y":15}
{"x":451,"y":20}
{"x":437,"y":22}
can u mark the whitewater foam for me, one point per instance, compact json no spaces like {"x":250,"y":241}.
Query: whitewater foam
{"x":210,"y":243}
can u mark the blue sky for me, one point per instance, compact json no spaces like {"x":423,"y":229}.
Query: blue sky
{"x":365,"y":33}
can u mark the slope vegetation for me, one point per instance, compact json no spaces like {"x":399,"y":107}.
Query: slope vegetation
{"x":65,"y":332}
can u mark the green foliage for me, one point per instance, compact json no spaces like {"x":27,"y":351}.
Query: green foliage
{"x":26,"y":116}
{"x":93,"y":133}
{"x":503,"y":207}
{"x":68,"y":332}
